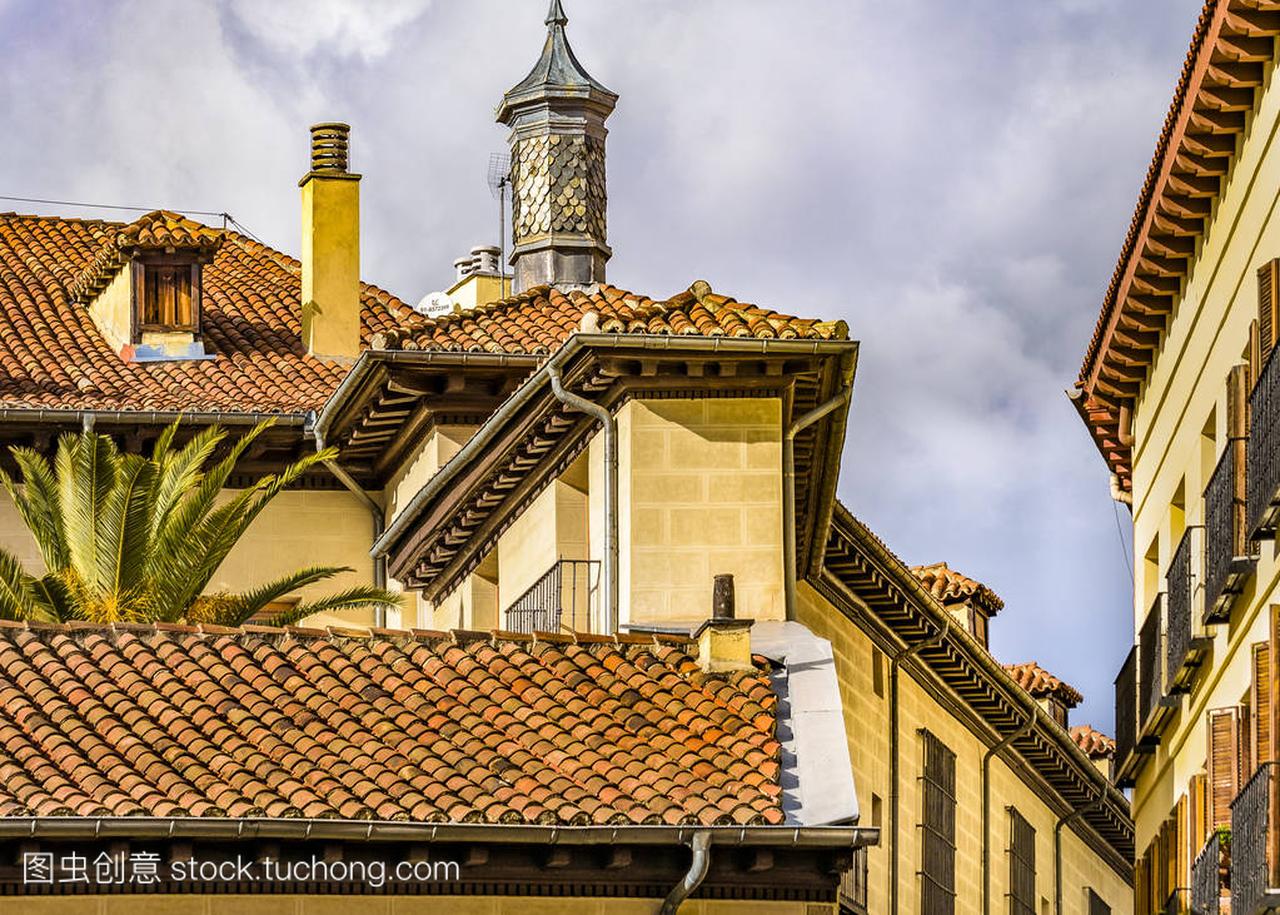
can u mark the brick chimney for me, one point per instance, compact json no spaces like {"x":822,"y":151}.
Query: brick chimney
{"x":556,"y":115}
{"x":330,"y":247}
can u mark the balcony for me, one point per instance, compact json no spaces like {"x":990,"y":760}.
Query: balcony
{"x":1153,"y":706}
{"x":1255,"y":843}
{"x":1185,"y":645}
{"x":853,"y":885}
{"x":1126,"y":720}
{"x":1262,"y":484}
{"x":1228,"y":562}
{"x":1209,"y":877}
{"x":566,"y":598}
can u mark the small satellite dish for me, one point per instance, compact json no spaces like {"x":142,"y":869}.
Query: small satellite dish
{"x":434,"y":304}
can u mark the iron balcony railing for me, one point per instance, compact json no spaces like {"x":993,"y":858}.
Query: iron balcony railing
{"x":565,"y":598}
{"x":1209,"y":874}
{"x":1151,"y":656}
{"x":853,"y":885}
{"x":1262,"y":459}
{"x":1228,"y":562}
{"x":1126,"y":717}
{"x":1185,"y":645}
{"x":1255,"y":830}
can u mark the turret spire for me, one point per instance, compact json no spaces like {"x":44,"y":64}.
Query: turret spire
{"x":556,"y":115}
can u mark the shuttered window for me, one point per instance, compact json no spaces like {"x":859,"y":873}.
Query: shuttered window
{"x":1198,"y":814}
{"x":1260,"y":701}
{"x":1097,"y":906}
{"x":1268,"y":312}
{"x":938,"y":828}
{"x":1225,"y":764}
{"x":1022,"y":865}
{"x":166,"y":295}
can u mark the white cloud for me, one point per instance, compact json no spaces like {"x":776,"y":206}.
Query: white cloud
{"x":344,"y":28}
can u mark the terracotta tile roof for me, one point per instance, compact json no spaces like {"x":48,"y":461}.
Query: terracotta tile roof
{"x":1040,"y":683}
{"x":170,"y":721}
{"x":1096,"y":745}
{"x":52,"y":354}
{"x":950,"y":586}
{"x":540,"y":319}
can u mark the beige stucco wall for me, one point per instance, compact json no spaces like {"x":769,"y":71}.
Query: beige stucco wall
{"x":867,"y":724}
{"x":700,"y":494}
{"x":553,"y":527}
{"x":1207,"y":335}
{"x":112,"y":310}
{"x":374,"y":905}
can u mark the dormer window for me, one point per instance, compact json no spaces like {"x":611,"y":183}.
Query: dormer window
{"x":143,"y":287}
{"x":167,"y":295}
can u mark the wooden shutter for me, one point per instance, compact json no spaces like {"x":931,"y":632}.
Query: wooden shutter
{"x":1260,"y":702}
{"x":1197,"y":813}
{"x":1142,"y":885}
{"x":1224,"y":764}
{"x":1022,"y":865}
{"x":1268,"y":313}
{"x":938,"y":854}
{"x":1183,"y":853}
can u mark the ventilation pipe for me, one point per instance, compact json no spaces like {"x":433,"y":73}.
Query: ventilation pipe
{"x":609,"y":568}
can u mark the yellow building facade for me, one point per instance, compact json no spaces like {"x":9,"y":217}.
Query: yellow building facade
{"x":1175,"y":389}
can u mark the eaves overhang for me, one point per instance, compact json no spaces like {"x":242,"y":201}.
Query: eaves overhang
{"x":858,"y":562}
{"x":449,"y":525}
{"x":1230,"y":60}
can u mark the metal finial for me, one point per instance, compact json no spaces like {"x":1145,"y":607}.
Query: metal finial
{"x":556,"y":16}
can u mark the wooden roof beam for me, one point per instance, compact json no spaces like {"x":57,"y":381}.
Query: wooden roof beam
{"x":1186,"y":207}
{"x":1214,"y":121}
{"x":1162,"y":266}
{"x":1147,"y":312}
{"x":1171,"y":245}
{"x":1225,"y":99}
{"x":1235,"y":74}
{"x":1256,"y":23}
{"x":1121,"y":390}
{"x":1243,"y":47}
{"x":1137,"y":339}
{"x":1157,"y":285}
{"x":1203,"y":165}
{"x":1191,"y":186}
{"x":1176,"y":225}
{"x":1211,"y":145}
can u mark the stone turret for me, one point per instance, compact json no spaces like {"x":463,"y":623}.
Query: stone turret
{"x":559,"y":201}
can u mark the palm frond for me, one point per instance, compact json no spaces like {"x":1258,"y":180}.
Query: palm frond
{"x":39,"y":505}
{"x":17,"y":602}
{"x":246,"y":604}
{"x":124,"y":536}
{"x":356,"y":598}
{"x":86,"y":467}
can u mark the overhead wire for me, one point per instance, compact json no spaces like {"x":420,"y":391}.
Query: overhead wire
{"x":226,"y":217}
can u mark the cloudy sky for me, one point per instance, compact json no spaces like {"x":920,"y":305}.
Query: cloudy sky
{"x":953,"y":179}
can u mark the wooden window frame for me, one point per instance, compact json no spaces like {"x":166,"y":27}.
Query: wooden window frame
{"x":140,"y":266}
{"x":1022,"y":864}
{"x":937,"y":826}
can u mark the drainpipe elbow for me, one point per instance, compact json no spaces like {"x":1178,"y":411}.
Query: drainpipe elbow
{"x":697,"y":872}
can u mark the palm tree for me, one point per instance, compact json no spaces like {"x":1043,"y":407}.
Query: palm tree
{"x":127,"y":538}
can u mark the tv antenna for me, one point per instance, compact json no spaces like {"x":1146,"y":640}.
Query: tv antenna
{"x":499,"y":181}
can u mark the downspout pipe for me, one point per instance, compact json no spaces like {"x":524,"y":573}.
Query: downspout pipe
{"x":379,"y":524}
{"x":697,"y":872}
{"x":894,"y":794}
{"x":789,"y":489}
{"x":986,"y":805}
{"x":1066,"y":820}
{"x":609,"y":568}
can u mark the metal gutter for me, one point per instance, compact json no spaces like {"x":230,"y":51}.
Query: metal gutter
{"x":227,"y":829}
{"x":609,"y":426}
{"x":157,"y":417}
{"x":992,"y":751}
{"x":841,"y":399}
{"x":481,"y":440}
{"x":895,"y":750}
{"x":1057,"y":847}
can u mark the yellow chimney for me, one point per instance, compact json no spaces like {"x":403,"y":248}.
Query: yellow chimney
{"x":330,"y":247}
